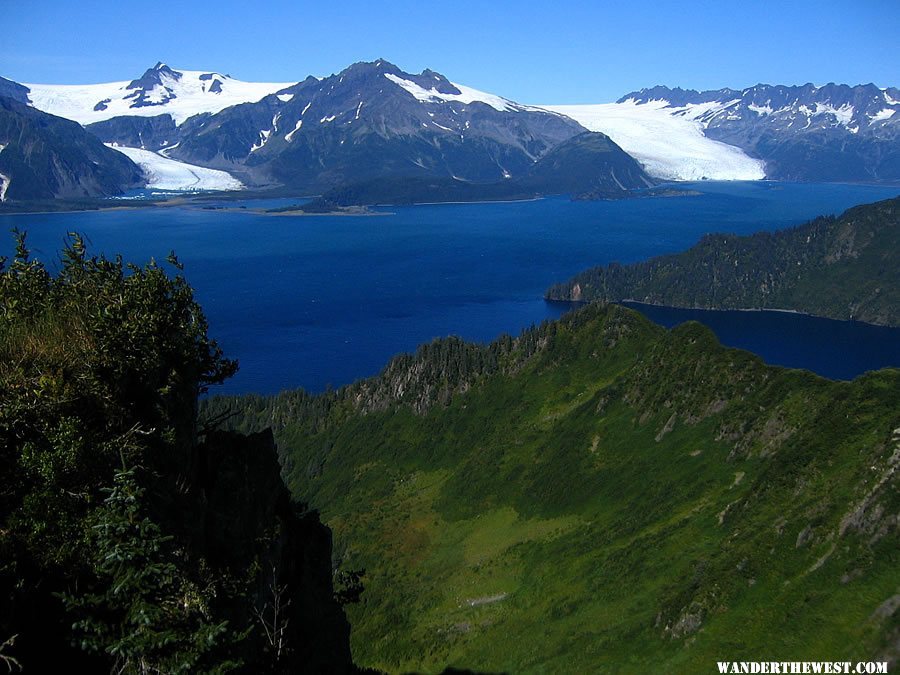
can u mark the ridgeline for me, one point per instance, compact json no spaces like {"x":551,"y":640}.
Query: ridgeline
{"x":601,"y":494}
{"x":840,"y":268}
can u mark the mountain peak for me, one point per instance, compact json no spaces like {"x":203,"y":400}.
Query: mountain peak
{"x":428,"y":79}
{"x":153,"y":77}
{"x":369,"y":68}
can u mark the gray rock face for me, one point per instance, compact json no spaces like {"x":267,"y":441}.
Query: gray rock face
{"x":830,"y":133}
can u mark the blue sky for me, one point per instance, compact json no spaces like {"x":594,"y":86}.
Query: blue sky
{"x":534,"y":52}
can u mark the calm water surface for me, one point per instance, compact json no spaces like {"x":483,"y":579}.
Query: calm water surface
{"x":318,"y":301}
{"x":840,"y":350}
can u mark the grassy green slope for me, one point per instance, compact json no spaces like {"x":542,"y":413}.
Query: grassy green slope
{"x":620,"y":499}
{"x":842,"y":268}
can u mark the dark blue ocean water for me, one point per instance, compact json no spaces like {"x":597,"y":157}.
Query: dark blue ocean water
{"x":317,"y":301}
{"x":840,"y":350}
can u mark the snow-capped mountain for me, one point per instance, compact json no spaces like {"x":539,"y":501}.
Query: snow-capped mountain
{"x":373,"y":121}
{"x":370,"y":120}
{"x":833,"y":132}
{"x":160,"y":90}
{"x":794,"y":108}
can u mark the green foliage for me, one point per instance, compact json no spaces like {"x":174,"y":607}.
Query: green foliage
{"x":100,"y":366}
{"x":843,"y":268}
{"x":98,"y":353}
{"x":348,"y":586}
{"x":144,"y":614}
{"x":604,"y":495}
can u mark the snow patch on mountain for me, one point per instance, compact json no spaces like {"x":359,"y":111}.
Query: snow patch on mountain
{"x":465,"y":96}
{"x":290,"y":135}
{"x":168,"y":174}
{"x":760,"y":109}
{"x":844,"y":114}
{"x":165,"y":151}
{"x":264,"y":134}
{"x":194,"y":92}
{"x":883,"y":114}
{"x":263,"y":138}
{"x":670,"y":146}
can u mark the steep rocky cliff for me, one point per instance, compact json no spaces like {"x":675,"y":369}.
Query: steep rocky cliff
{"x":132,"y":540}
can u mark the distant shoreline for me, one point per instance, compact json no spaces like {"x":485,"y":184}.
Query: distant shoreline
{"x":192,"y":199}
{"x":740,"y":309}
{"x":478,"y":201}
{"x":300,"y":213}
{"x":731,"y":309}
{"x":627,"y":302}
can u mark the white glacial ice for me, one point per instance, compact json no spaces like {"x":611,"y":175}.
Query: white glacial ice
{"x":169,"y":174}
{"x":668,"y":142}
{"x":191,"y":96}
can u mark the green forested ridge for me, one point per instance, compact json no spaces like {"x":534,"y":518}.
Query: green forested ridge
{"x":843,"y":268}
{"x":602,"y":495}
{"x":131,"y":540}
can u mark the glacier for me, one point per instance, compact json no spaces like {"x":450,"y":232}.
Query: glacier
{"x":168,"y":174}
{"x":668,"y":142}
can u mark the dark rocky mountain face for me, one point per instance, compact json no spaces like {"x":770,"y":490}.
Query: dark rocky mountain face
{"x":150,"y":133}
{"x":587,"y":163}
{"x":829,"y":133}
{"x":676,"y":96}
{"x":587,"y":166}
{"x":14,"y":90}
{"x":47,"y":157}
{"x":370,"y":120}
